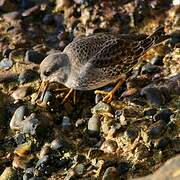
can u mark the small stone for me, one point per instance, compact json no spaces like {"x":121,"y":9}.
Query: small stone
{"x":94,"y":125}
{"x":12,"y":17}
{"x":21,"y":93}
{"x":130,"y":134}
{"x":6,"y":63}
{"x":164,"y":115}
{"x":153,"y":95}
{"x":149,"y":68}
{"x":60,"y":143}
{"x":123,"y":167}
{"x":98,"y":98}
{"x":7,"y":77}
{"x":79,"y":158}
{"x":66,"y":123}
{"x":156,"y":129}
{"x":34,"y":57}
{"x":31,"y":124}
{"x":9,"y":174}
{"x":45,"y":99}
{"x":109,"y":146}
{"x":48,"y":19}
{"x":161,"y":143}
{"x":27,"y":76}
{"x":79,"y":169}
{"x":110,"y":173}
{"x":150,"y":112}
{"x":17,"y":118}
{"x":20,"y":138}
{"x":157,"y":60}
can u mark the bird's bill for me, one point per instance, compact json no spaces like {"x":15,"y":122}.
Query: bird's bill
{"x":43,"y":88}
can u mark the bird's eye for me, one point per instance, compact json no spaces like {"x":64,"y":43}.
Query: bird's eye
{"x":47,"y":72}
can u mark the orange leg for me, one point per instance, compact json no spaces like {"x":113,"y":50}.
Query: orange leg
{"x":67,"y":96}
{"x":109,"y":95}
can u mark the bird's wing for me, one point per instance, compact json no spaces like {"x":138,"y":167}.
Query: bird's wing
{"x":122,"y":50}
{"x":84,"y":48}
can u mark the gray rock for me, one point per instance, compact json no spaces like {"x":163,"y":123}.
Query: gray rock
{"x":34,"y":57}
{"x":6,"y":63}
{"x":169,"y":171}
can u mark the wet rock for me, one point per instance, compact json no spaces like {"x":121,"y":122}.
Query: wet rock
{"x":12,"y":17}
{"x":6,"y":52}
{"x":169,"y":171}
{"x":157,"y":60}
{"x":102,"y":109}
{"x":9,"y":174}
{"x":60,"y":143}
{"x":31,"y":125}
{"x":79,"y":158}
{"x":123,"y":167}
{"x":20,"y":138}
{"x":164,"y":115}
{"x":7,"y":77}
{"x":7,"y":6}
{"x":79,"y":169}
{"x":94,"y":125}
{"x":27,"y":75}
{"x":48,"y":19}
{"x":6,"y":63}
{"x":110,"y":173}
{"x":98,"y":98}
{"x":17,"y":118}
{"x":153,"y":95}
{"x":161,"y":143}
{"x":149,"y":68}
{"x":130,"y":134}
{"x":109,"y":146}
{"x":66,"y":123}
{"x":150,"y":112}
{"x":21,"y":92}
{"x":156,"y":129}
{"x":32,"y":56}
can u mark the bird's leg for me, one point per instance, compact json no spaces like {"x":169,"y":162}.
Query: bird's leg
{"x":67,"y":96}
{"x":109,"y":95}
{"x":42,"y":90}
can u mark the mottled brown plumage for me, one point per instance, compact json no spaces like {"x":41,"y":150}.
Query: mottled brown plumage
{"x":91,"y":62}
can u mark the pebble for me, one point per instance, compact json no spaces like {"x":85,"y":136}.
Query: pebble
{"x":6,"y":52}
{"x":12,"y":17}
{"x":60,"y":143}
{"x":17,"y":118}
{"x":20,"y":138}
{"x":66,"y":123}
{"x":153,"y":95}
{"x":45,"y":100}
{"x":7,"y":77}
{"x":161,"y":143}
{"x":110,"y":173}
{"x":94,"y":125}
{"x":31,"y":125}
{"x":32,"y":56}
{"x":9,"y":174}
{"x":79,"y":169}
{"x":48,"y":19}
{"x":156,"y":129}
{"x":164,"y":115}
{"x":130,"y":134}
{"x":79,"y":158}
{"x":21,"y":92}
{"x":123,"y":167}
{"x":27,"y":75}
{"x":157,"y":60}
{"x":102,"y":109}
{"x":6,"y":64}
{"x":149,"y":68}
{"x":109,"y":146}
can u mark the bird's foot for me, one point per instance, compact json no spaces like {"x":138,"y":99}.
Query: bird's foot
{"x":67,"y":96}
{"x":110,"y":94}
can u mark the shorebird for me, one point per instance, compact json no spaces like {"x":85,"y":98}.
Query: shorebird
{"x":91,"y":62}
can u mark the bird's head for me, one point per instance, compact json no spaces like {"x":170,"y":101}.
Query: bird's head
{"x":55,"y":68}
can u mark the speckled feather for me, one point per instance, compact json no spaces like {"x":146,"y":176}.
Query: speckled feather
{"x":99,"y":59}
